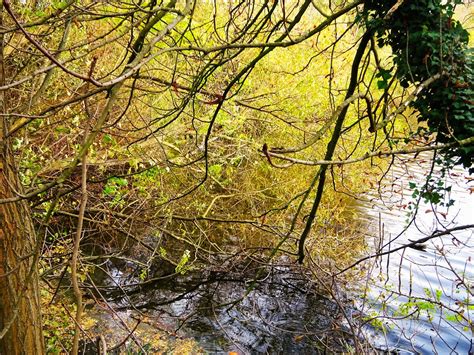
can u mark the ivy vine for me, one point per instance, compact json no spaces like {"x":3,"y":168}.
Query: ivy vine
{"x":426,"y":40}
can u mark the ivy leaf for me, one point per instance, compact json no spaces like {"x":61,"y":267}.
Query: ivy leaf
{"x":382,"y":85}
{"x":384,"y":76}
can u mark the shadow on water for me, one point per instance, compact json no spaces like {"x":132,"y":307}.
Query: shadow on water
{"x":280,"y":313}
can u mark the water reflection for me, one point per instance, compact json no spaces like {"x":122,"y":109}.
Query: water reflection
{"x":432,"y":284}
{"x":281,"y":313}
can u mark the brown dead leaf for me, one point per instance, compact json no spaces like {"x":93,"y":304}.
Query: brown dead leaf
{"x":298,"y":338}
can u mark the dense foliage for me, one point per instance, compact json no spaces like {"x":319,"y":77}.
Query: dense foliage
{"x":425,"y":41}
{"x":155,"y":144}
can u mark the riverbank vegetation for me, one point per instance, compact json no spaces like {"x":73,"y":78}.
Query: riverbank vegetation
{"x":152,"y":152}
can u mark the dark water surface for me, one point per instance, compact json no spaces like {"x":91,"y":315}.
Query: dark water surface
{"x":281,"y":313}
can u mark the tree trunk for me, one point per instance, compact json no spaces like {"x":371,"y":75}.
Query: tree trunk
{"x":20,"y":317}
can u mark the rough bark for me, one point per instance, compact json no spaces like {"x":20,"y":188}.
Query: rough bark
{"x":20,"y":317}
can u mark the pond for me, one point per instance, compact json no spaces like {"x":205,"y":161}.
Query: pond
{"x":248,"y":310}
{"x":422,"y":297}
{"x":418,"y":300}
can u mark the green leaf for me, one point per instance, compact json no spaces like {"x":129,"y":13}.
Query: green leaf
{"x":181,"y":267}
{"x":109,"y":190}
{"x":121,"y":182}
{"x":427,"y":306}
{"x":215,"y":170}
{"x":107,"y":138}
{"x":382,"y":85}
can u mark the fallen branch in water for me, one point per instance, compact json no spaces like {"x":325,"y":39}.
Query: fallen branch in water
{"x":412,"y":244}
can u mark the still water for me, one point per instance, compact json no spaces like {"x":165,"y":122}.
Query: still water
{"x":424,"y":297}
{"x":280,"y":314}
{"x":421,"y":300}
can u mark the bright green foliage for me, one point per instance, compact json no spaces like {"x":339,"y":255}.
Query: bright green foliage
{"x":182,"y":266}
{"x":117,"y":189}
{"x":113,"y":186}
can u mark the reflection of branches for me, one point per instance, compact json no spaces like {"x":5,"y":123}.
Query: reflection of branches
{"x":459,"y":279}
{"x":121,"y":320}
{"x":332,"y":290}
